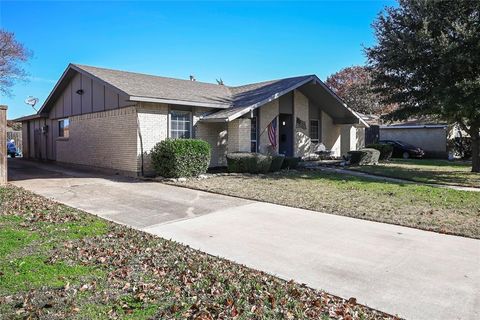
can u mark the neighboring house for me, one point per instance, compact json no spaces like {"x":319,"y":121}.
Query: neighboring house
{"x":432,"y":138}
{"x":112,"y":119}
{"x":14,"y":132}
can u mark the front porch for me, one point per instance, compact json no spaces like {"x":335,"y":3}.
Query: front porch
{"x":302,"y":122}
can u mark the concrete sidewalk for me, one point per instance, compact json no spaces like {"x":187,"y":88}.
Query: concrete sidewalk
{"x":390,"y":179}
{"x":413,"y":273}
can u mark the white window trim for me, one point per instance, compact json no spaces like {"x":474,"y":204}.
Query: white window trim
{"x":318,"y":130}
{"x":58,"y":128}
{"x":170,"y":122}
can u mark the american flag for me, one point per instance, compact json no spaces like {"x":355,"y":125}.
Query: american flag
{"x":272,"y":132}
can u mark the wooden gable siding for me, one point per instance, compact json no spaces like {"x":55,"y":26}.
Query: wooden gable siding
{"x":96,"y":97}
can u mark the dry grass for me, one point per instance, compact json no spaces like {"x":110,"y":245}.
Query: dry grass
{"x":427,"y":171}
{"x":423,"y":207}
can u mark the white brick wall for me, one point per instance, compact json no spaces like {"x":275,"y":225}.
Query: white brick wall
{"x":266,"y":114}
{"x":111,"y":139}
{"x":360,"y":137}
{"x":348,"y":139}
{"x":216,"y":135}
{"x":302,"y":144}
{"x":103,"y":139}
{"x":152,"y":128}
{"x":331,"y":134}
{"x":239,"y":135}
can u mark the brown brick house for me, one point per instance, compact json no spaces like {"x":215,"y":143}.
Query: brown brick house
{"x":111,"y":119}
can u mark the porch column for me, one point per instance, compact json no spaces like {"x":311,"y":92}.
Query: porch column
{"x":239,"y":135}
{"x":348,"y":139}
{"x":3,"y":145}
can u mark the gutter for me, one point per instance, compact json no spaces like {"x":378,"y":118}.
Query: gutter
{"x":180,"y":102}
{"x":30,"y":117}
{"x":431,"y":126}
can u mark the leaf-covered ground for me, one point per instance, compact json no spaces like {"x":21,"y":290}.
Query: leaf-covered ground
{"x":418,"y":206}
{"x":57,"y":262}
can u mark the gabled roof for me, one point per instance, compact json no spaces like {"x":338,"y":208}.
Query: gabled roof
{"x":251,"y":96}
{"x":141,"y":87}
{"x":233,"y":101}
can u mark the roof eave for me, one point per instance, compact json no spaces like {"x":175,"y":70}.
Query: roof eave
{"x":179,"y":102}
{"x":420,"y":126}
{"x":30,"y":117}
{"x":360,"y":120}
{"x":263,"y":102}
{"x":215,"y":120}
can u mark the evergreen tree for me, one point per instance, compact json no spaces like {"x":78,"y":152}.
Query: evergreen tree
{"x":427,"y":60}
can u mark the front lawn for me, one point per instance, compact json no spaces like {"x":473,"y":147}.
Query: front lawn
{"x":427,"y":171}
{"x":430,"y":208}
{"x":57,"y":262}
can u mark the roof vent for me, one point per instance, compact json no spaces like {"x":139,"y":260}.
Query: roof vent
{"x":192,"y":78}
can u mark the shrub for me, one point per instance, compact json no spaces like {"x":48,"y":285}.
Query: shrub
{"x":277,"y":162}
{"x":461,"y":147}
{"x":174,"y":158}
{"x":364,"y":157}
{"x":290,"y":162}
{"x":246,"y":162}
{"x":386,"y":150}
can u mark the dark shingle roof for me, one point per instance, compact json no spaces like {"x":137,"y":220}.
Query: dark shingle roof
{"x":248,"y":96}
{"x":148,"y":86}
{"x":231,"y":102}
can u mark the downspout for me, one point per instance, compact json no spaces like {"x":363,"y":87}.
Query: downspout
{"x":141,"y":143}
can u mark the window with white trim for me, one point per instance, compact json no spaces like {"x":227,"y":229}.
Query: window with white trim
{"x":314,"y":130}
{"x":180,"y":124}
{"x":64,"y":128}
{"x":253,"y":134}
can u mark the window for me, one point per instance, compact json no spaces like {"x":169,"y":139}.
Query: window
{"x":63,"y":128}
{"x":314,"y":131}
{"x":253,"y":134}
{"x":180,"y":125}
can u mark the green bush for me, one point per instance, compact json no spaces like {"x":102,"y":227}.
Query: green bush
{"x":461,"y":147}
{"x":386,"y":150}
{"x":290,"y":162}
{"x":246,"y":162}
{"x":277,"y":162}
{"x":174,"y":158}
{"x":364,"y":157}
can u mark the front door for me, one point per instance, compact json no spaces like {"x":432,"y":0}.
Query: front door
{"x":285,"y":145}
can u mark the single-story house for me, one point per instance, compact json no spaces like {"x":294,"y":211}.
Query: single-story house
{"x":112,"y":119}
{"x":432,"y":138}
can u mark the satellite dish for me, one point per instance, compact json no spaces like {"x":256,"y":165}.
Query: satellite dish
{"x":31,"y":101}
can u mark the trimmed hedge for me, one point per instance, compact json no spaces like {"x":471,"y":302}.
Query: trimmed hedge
{"x":247,"y":162}
{"x":290,"y":162}
{"x":364,"y":157}
{"x":277,"y":162}
{"x":175,"y":158}
{"x":386,"y":150}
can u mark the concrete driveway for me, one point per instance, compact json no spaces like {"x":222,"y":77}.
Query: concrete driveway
{"x":412,"y":273}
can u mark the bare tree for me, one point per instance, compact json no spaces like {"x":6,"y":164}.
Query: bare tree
{"x":12,"y":55}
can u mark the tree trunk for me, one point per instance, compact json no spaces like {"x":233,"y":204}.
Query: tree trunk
{"x":474,"y":134}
